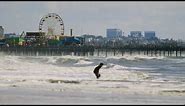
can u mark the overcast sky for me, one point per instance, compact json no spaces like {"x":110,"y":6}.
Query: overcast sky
{"x":166,"y":18}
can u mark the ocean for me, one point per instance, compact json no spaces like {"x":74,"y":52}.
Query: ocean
{"x":127,"y":74}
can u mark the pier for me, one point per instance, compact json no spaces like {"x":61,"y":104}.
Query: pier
{"x":85,"y":50}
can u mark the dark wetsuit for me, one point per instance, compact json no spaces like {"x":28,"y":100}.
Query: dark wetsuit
{"x":96,"y":71}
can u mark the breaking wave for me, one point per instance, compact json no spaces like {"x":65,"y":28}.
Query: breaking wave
{"x":118,"y":72}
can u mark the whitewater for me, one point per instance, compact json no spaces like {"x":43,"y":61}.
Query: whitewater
{"x":136,"y":79}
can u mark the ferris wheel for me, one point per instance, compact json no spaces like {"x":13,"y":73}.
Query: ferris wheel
{"x":52,"y":24}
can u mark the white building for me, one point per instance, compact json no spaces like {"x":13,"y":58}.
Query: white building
{"x":1,"y":32}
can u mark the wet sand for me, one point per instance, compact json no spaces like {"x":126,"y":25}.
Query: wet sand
{"x":13,"y":95}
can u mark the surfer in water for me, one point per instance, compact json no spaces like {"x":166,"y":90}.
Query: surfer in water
{"x":96,"y":70}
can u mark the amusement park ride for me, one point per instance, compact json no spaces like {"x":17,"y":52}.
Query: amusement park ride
{"x":51,"y":33}
{"x":53,"y":26}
